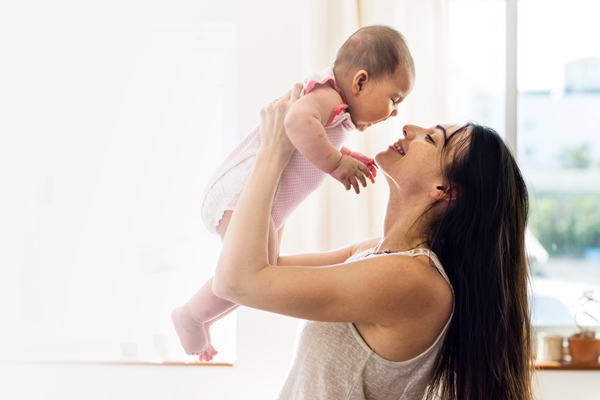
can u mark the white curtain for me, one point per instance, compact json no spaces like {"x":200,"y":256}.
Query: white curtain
{"x":332,"y":217}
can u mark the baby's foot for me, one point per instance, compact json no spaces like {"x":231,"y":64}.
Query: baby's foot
{"x":192,"y":335}
{"x":208,"y":354}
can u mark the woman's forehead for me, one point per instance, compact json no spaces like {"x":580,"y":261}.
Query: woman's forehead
{"x":456,"y":138}
{"x":452,"y":128}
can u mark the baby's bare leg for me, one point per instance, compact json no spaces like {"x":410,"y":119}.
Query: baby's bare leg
{"x":274,"y":239}
{"x":193,"y":319}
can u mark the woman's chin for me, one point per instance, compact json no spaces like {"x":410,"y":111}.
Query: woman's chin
{"x":385,"y":153}
{"x":381,"y":158}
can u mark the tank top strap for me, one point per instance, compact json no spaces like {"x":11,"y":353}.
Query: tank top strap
{"x":419,"y":251}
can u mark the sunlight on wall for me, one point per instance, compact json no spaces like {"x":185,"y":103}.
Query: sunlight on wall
{"x":112,"y":234}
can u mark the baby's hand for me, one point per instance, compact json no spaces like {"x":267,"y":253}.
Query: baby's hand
{"x":368,"y":161}
{"x":350,"y":172}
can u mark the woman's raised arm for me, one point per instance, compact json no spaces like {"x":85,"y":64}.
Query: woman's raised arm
{"x":245,"y":245}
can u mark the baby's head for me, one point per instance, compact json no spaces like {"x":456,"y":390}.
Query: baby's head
{"x":375,"y":70}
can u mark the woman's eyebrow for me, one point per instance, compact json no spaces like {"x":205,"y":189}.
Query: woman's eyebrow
{"x":441,"y":128}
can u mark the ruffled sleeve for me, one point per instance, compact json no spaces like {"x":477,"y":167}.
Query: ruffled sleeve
{"x":326,"y":77}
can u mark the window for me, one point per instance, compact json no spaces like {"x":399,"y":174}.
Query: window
{"x":108,"y":235}
{"x":558,"y":85}
{"x":558,"y":95}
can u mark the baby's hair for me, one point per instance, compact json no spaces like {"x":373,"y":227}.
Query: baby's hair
{"x":377,"y":49}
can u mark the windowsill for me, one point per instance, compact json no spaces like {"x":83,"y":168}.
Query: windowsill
{"x":57,"y":358}
{"x":108,"y":361}
{"x":566,"y":366}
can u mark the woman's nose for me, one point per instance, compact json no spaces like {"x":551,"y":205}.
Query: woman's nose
{"x":409,"y":131}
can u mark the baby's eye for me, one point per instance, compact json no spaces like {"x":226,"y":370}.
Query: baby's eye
{"x":393,"y":102}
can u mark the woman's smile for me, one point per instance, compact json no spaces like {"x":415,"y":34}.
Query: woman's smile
{"x":397,"y":146}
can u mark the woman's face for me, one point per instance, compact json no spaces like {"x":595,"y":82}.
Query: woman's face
{"x":414,"y":162}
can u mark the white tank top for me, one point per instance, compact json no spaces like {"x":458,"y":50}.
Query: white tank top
{"x":331,"y":361}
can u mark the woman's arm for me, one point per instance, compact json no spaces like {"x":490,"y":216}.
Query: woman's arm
{"x":331,"y":257}
{"x":245,"y":246}
{"x":378,"y":289}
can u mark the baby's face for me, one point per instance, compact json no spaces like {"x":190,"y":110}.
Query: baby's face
{"x":377,"y":100}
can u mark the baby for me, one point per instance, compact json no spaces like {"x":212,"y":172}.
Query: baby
{"x":373,"y":72}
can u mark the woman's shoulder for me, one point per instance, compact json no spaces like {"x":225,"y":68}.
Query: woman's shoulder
{"x":415,"y":269}
{"x":411,"y":298}
{"x":426,"y":293}
{"x":415,"y":274}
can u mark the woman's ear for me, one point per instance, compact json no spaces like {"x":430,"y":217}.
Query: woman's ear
{"x":441,"y":193}
{"x":360,"y":78}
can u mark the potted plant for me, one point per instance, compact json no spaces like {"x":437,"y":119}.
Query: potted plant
{"x":584,"y":346}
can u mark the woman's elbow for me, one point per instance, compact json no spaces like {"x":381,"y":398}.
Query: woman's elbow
{"x":225,"y":288}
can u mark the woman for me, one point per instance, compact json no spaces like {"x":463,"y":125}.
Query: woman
{"x":436,"y":306}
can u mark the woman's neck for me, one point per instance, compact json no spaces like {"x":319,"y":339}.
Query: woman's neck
{"x":403,"y":227}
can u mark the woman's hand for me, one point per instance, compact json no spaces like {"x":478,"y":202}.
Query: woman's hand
{"x":274,"y":140}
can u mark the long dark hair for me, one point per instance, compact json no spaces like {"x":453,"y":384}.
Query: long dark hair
{"x":480,"y":240}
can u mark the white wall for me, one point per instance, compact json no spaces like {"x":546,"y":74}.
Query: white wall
{"x":567,"y":385}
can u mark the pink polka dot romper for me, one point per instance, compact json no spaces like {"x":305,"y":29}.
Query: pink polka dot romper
{"x":299,"y":178}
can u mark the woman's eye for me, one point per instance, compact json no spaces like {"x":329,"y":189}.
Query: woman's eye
{"x":428,"y":137}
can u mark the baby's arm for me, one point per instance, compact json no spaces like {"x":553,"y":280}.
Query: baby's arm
{"x":304,"y":126}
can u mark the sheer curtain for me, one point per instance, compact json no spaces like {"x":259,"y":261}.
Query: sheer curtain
{"x":332,"y":217}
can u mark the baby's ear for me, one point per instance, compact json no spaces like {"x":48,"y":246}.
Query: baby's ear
{"x":359,"y":79}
